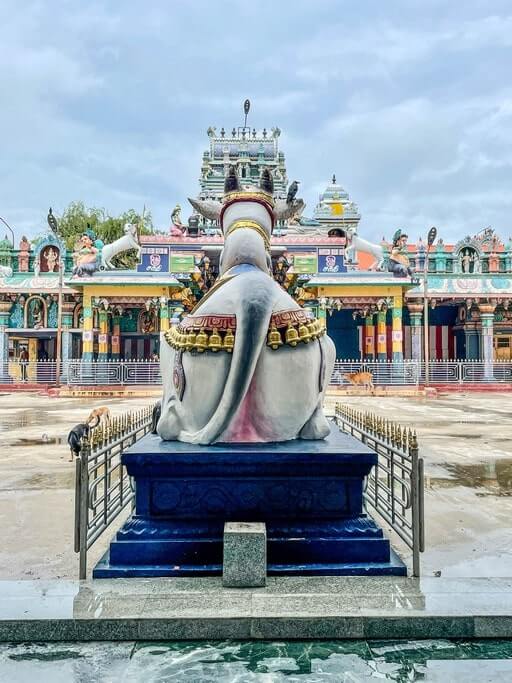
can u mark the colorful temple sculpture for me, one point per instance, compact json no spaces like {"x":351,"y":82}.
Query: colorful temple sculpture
{"x":369,"y":296}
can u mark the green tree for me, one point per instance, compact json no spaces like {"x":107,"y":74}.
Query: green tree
{"x":77,"y":218}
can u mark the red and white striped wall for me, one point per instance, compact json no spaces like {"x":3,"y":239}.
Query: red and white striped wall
{"x":441,"y":342}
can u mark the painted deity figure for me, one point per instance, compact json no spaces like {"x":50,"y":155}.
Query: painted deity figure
{"x":281,"y":268}
{"x":465,"y":261}
{"x":35,"y":314}
{"x":398,"y":262}
{"x":147,"y":322}
{"x":177,"y":228}
{"x":265,"y":360}
{"x":85,"y":256}
{"x":51,"y":257}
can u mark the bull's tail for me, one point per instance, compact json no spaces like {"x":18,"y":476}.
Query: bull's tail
{"x":255,"y":303}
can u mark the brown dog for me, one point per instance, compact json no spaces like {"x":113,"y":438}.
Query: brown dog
{"x":99,"y":413}
{"x":360,"y":379}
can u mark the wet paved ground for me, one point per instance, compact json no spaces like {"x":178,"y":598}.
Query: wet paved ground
{"x":466,"y":442}
{"x":37,"y":483}
{"x":464,"y":439}
{"x":434,"y":661}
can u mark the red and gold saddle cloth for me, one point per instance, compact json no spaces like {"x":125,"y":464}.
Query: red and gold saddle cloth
{"x":217,"y":332}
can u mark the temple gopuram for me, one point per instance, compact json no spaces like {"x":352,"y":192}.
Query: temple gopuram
{"x":372,"y":309}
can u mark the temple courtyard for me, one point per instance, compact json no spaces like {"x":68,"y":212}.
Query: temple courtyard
{"x":464,"y":440}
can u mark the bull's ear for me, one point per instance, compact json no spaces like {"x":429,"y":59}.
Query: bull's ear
{"x":208,"y":208}
{"x":267,"y":182}
{"x":284,"y":211}
{"x":231,"y":184}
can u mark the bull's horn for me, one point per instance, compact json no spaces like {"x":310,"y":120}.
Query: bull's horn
{"x":208,"y":208}
{"x":283,"y":211}
{"x":231,"y":183}
{"x":267,"y":182}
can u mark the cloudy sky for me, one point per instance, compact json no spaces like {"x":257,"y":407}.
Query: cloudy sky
{"x":409,"y":102}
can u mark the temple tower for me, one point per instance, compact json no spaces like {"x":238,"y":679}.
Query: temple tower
{"x":250,"y":151}
{"x":335,"y":208}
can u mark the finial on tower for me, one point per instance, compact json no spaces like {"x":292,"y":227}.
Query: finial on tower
{"x":247,"y":106}
{"x":334,"y":179}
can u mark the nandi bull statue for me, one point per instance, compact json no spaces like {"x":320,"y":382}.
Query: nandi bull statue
{"x":248,"y":364}
{"x":130,"y":240}
{"x":356,"y":243}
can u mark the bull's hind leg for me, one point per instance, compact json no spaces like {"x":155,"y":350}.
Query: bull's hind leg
{"x":317,"y":427}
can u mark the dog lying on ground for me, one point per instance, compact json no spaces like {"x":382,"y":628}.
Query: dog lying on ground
{"x":75,"y":436}
{"x":157,"y":411}
{"x":360,"y":379}
{"x":102,"y":412}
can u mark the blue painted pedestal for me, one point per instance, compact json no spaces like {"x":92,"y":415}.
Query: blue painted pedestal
{"x":309,"y":494}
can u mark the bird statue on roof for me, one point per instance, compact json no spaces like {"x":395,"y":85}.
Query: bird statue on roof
{"x":292,"y":191}
{"x":52,"y":221}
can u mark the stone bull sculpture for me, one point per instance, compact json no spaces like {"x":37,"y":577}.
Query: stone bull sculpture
{"x":248,"y":364}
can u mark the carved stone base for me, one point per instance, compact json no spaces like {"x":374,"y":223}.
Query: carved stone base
{"x":308,"y":493}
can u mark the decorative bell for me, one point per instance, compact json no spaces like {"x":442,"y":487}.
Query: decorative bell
{"x":201,"y":341}
{"x":190,"y":341}
{"x":274,"y":338}
{"x":292,"y":336}
{"x":304,"y":334}
{"x":229,"y":341}
{"x":312,"y":329}
{"x":215,"y":342}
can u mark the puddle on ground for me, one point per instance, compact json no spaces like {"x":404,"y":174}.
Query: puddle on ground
{"x":44,"y":481}
{"x":493,"y":478}
{"x":42,"y":441}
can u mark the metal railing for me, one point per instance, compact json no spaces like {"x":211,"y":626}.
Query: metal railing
{"x":145,"y":372}
{"x":79,"y":372}
{"x":395,"y":487}
{"x":412,"y":372}
{"x":102,"y":487}
{"x":387,"y":373}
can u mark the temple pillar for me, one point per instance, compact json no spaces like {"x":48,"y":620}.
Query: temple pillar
{"x":397,"y":337}
{"x":369,"y":338}
{"x":87,"y":332}
{"x":415,"y":315}
{"x":381,"y":336}
{"x":65,"y":346}
{"x":164,"y":314}
{"x":103,"y":335}
{"x":115,"y":340}
{"x":487,"y":320}
{"x":5,"y":309}
{"x":472,"y":343}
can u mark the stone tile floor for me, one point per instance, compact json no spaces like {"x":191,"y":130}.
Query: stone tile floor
{"x":300,"y":607}
{"x":438,"y":661}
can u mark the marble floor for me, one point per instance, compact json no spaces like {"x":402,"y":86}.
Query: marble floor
{"x":432,"y":661}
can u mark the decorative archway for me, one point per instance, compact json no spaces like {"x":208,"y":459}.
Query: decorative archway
{"x":35,"y":313}
{"x":467,"y":256}
{"x":78,"y":316}
{"x":48,"y":252}
{"x":148,"y":321}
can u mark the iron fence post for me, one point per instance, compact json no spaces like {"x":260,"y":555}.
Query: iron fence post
{"x":77,"y":506}
{"x":415,"y":504}
{"x":421,"y":500}
{"x":84,"y":507}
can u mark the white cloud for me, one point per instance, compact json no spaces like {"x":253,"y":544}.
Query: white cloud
{"x":407,"y":103}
